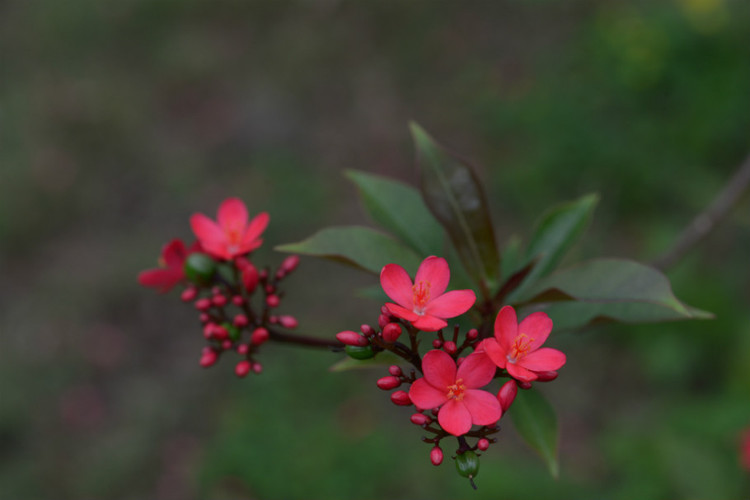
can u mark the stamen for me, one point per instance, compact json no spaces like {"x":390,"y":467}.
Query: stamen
{"x":421,"y":296}
{"x":520,"y":348}
{"x":456,"y":391}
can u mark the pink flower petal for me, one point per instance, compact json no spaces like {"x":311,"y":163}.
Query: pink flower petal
{"x":397,"y":285}
{"x":232,"y":215}
{"x":435,"y":271}
{"x":401,"y":312}
{"x":212,"y":238}
{"x":161,"y":279}
{"x":484,"y":408}
{"x":254,"y":230}
{"x":439,"y":369}
{"x":425,"y":396}
{"x":451,"y":304}
{"x":544,"y":359}
{"x":506,"y":327}
{"x":477,"y":370}
{"x":537,"y":326}
{"x":520,"y":373}
{"x":496,"y":353}
{"x":174,"y":253}
{"x":429,"y":323}
{"x":455,"y":418}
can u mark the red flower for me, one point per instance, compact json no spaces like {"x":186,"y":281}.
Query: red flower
{"x":455,"y":391}
{"x":424,"y":302}
{"x":233,"y":235}
{"x":171,"y":263}
{"x":517,"y":347}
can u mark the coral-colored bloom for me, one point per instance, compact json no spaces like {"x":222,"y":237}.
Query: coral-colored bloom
{"x":171,"y":272}
{"x":516,"y":347}
{"x":233,"y":235}
{"x":424,"y":302}
{"x":456,"y":391}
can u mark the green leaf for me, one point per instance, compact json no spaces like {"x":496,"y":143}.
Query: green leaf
{"x":399,"y":209}
{"x":512,"y":257}
{"x":606,"y":281}
{"x":384,"y":358}
{"x":455,"y":197}
{"x":536,"y":422}
{"x":359,"y":246}
{"x":557,"y":230}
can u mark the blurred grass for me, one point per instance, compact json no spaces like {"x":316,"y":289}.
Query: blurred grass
{"x":118,"y":121}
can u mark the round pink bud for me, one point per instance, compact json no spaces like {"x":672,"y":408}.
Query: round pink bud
{"x":240,"y":321}
{"x":384,"y":310}
{"x":507,"y":394}
{"x":391,"y":332}
{"x":401,"y":398}
{"x":208,"y":357}
{"x":250,"y":277}
{"x":257,"y":368}
{"x":259,"y":336}
{"x":269,"y":288}
{"x":241,"y":263}
{"x":208,"y":330}
{"x":395,"y":370}
{"x":450,"y":347}
{"x":383,"y":320}
{"x":288,"y":321}
{"x":263,"y":274}
{"x":238,"y":300}
{"x":189,"y":294}
{"x":367,"y":330}
{"x":226,"y":345}
{"x":273,"y":300}
{"x":216,"y":290}
{"x":203,"y":304}
{"x":290,"y":264}
{"x":546,"y":376}
{"x":436,"y":456}
{"x":219,"y":300}
{"x":219,"y":332}
{"x":524,"y":385}
{"x":203,"y":317}
{"x":242,"y":368}
{"x":349,"y":337}
{"x":472,"y":334}
{"x":420,"y":419}
{"x":437,"y":343}
{"x":243,"y":349}
{"x":483,"y":444}
{"x":388,"y":383}
{"x":274,"y":320}
{"x":459,"y":361}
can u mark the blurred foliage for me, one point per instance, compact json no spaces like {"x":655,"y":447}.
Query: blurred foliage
{"x":119,"y":120}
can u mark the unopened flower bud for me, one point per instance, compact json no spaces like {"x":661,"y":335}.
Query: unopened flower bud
{"x":189,"y":294}
{"x":208,"y":357}
{"x":199,"y":268}
{"x":472,"y":334}
{"x":507,"y":394}
{"x":243,"y":349}
{"x":437,"y":343}
{"x":420,"y":419}
{"x":436,"y":456}
{"x":219,"y":300}
{"x":401,"y":398}
{"x":238,"y":300}
{"x":524,"y":385}
{"x":467,"y":464}
{"x":388,"y":383}
{"x":483,"y":444}
{"x":203,"y":304}
{"x":220,"y":333}
{"x":240,"y":321}
{"x":546,"y":376}
{"x":391,"y":332}
{"x":250,"y":277}
{"x":259,"y":336}
{"x":450,"y":347}
{"x":359,"y":352}
{"x":290,"y":264}
{"x":257,"y":368}
{"x":204,"y":317}
{"x":349,"y":337}
{"x":367,"y":330}
{"x":232,"y":331}
{"x":288,"y":321}
{"x":273,"y":300}
{"x":241,"y":262}
{"x":208,"y":330}
{"x":383,"y":320}
{"x":242,"y":368}
{"x":226,"y":345}
{"x":395,"y":370}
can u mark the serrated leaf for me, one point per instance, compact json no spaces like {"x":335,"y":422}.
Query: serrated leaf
{"x":554,"y":234}
{"x":359,"y":246}
{"x":384,"y":358}
{"x":536,"y":422}
{"x":607,"y":281}
{"x":455,"y":197}
{"x":399,"y":209}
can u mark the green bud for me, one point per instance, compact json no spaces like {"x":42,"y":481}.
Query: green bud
{"x":358,"y":352}
{"x":233,"y":331}
{"x":467,"y":464}
{"x":199,"y":268}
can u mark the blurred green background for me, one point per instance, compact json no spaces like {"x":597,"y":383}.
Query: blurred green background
{"x":118,"y":120}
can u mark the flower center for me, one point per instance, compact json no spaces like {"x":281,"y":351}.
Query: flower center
{"x":520,"y":347}
{"x":234,"y":236}
{"x":421,"y":296}
{"x":456,"y":391}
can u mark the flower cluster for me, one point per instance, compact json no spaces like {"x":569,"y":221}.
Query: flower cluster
{"x":221,"y":282}
{"x":450,"y":385}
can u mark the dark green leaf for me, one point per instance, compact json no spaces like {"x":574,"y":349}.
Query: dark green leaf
{"x":358,"y":246}
{"x":512,"y":257}
{"x":399,"y":208}
{"x":536,"y":422}
{"x":455,"y":197}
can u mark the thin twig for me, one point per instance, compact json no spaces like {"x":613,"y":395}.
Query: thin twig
{"x":707,"y":220}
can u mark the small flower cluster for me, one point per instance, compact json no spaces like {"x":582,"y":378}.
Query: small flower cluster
{"x":451,"y":395}
{"x":220,"y":282}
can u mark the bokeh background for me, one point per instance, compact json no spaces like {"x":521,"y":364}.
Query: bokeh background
{"x":118,"y":120}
